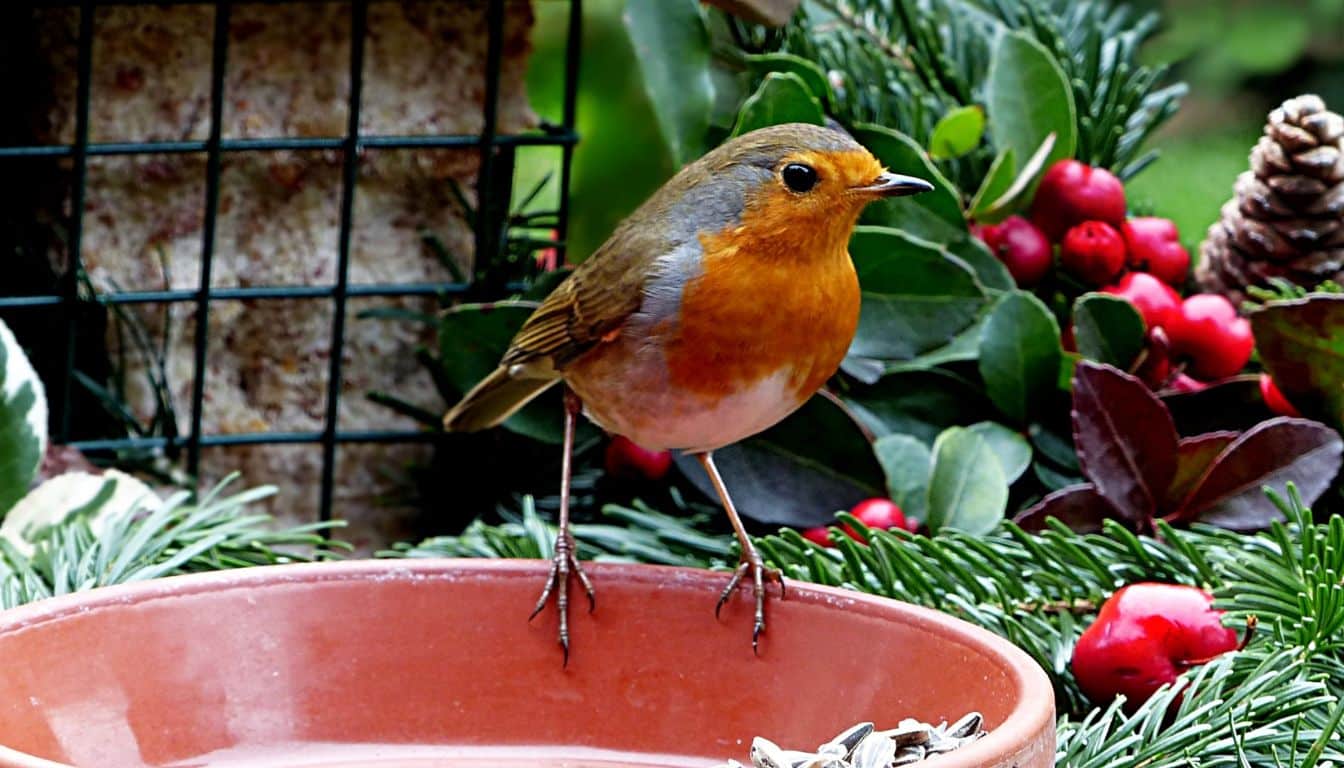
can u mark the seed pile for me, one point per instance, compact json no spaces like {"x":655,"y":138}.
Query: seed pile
{"x":861,"y":746}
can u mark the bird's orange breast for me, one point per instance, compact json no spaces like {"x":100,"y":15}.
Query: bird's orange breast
{"x":762,"y":305}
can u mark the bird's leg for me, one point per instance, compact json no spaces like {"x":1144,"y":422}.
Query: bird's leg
{"x":565,"y":560}
{"x":750,"y":560}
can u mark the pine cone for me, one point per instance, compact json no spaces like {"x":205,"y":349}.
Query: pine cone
{"x":1287,"y":216}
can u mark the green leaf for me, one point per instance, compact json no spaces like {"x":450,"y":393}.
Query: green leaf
{"x":1108,"y":329}
{"x":1011,"y":448}
{"x":672,"y":48}
{"x":1019,"y":355}
{"x":902,"y":154}
{"x":783,"y":97}
{"x":472,"y":339}
{"x":1028,"y":98}
{"x":919,"y":403}
{"x":991,"y":272}
{"x":905,"y":462}
{"x":762,"y":64}
{"x":1009,"y":199}
{"x":916,"y":297}
{"x":967,"y":487}
{"x":933,"y":216}
{"x":23,"y":421}
{"x":798,"y":472}
{"x":957,"y":133}
{"x":997,"y":180}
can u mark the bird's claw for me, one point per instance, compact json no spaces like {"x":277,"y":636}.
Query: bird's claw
{"x":564,"y":564}
{"x":760,"y":575}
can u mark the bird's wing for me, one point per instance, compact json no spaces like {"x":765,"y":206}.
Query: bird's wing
{"x":590,"y":304}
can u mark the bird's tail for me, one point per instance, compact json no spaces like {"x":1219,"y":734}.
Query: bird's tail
{"x":495,"y":399}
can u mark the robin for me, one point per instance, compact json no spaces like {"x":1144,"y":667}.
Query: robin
{"x":711,"y":313}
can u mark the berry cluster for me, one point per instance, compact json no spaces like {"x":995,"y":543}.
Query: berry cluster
{"x":1083,"y":210}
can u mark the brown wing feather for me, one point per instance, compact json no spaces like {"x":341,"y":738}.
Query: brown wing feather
{"x":594,"y":301}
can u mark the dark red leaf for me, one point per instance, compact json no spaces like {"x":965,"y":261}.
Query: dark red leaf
{"x":1301,"y":342}
{"x":1125,"y":439}
{"x":1231,"y":404}
{"x":1274,"y":453}
{"x":1078,"y":506}
{"x":1194,"y":457}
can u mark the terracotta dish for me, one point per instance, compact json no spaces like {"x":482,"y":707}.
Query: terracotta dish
{"x":432,"y":663}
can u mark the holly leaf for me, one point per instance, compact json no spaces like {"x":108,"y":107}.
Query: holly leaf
{"x":992,"y":273}
{"x":1231,"y":404}
{"x":1301,"y":342}
{"x":1126,"y":441}
{"x":672,"y":50}
{"x":902,"y":154}
{"x":915,"y":295}
{"x":23,"y":421}
{"x":762,"y":64}
{"x":1271,"y":454}
{"x":905,"y":462}
{"x":798,"y":472}
{"x":1080,"y":507}
{"x":967,"y":488}
{"x":918,"y":403}
{"x":1194,"y":456}
{"x":997,"y":208}
{"x":957,"y":133}
{"x":472,"y":339}
{"x":1028,"y":98}
{"x":1019,"y":355}
{"x":997,"y":180}
{"x":782,"y":97}
{"x":1011,"y":448}
{"x":1108,"y":329}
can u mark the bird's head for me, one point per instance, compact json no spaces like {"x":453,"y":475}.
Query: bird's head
{"x":794,"y":186}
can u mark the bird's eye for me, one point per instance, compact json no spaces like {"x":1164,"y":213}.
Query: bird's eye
{"x":799,"y":177}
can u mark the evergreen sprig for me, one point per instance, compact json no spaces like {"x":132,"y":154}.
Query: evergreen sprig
{"x":1275,"y":703}
{"x":907,"y":63}
{"x":182,"y":536}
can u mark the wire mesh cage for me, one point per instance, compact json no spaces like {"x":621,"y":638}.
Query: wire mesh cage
{"x":67,"y":315}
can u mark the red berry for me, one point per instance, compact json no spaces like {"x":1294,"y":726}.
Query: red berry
{"x":1068,"y":339}
{"x":1145,"y":635}
{"x":1021,"y":247}
{"x":1155,"y":247}
{"x":1071,"y":192}
{"x":1155,"y":370}
{"x":1155,"y":300}
{"x":1184,"y":384}
{"x":819,"y":535}
{"x":1209,"y":333}
{"x":625,"y":459}
{"x":1274,"y":398}
{"x":879,"y":513}
{"x":1094,"y":252}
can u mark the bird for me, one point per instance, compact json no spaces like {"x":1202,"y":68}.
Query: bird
{"x":711,"y":313}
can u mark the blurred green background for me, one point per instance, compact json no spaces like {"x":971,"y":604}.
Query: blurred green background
{"x":1241,"y":58}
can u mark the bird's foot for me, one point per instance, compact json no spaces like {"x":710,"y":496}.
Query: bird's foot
{"x":564,"y":564}
{"x":760,"y":575}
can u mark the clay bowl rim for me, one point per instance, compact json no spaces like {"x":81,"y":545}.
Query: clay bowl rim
{"x":1033,"y":711}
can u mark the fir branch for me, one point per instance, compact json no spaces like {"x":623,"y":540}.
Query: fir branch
{"x":182,"y":536}
{"x":906,"y":63}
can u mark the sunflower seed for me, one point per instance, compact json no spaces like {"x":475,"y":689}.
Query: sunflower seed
{"x":966,"y":726}
{"x":844,"y":742}
{"x":861,"y":746}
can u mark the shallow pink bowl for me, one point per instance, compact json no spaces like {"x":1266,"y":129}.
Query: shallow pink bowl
{"x":433,"y":663}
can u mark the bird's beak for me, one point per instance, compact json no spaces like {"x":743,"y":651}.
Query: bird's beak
{"x":895,"y":185}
